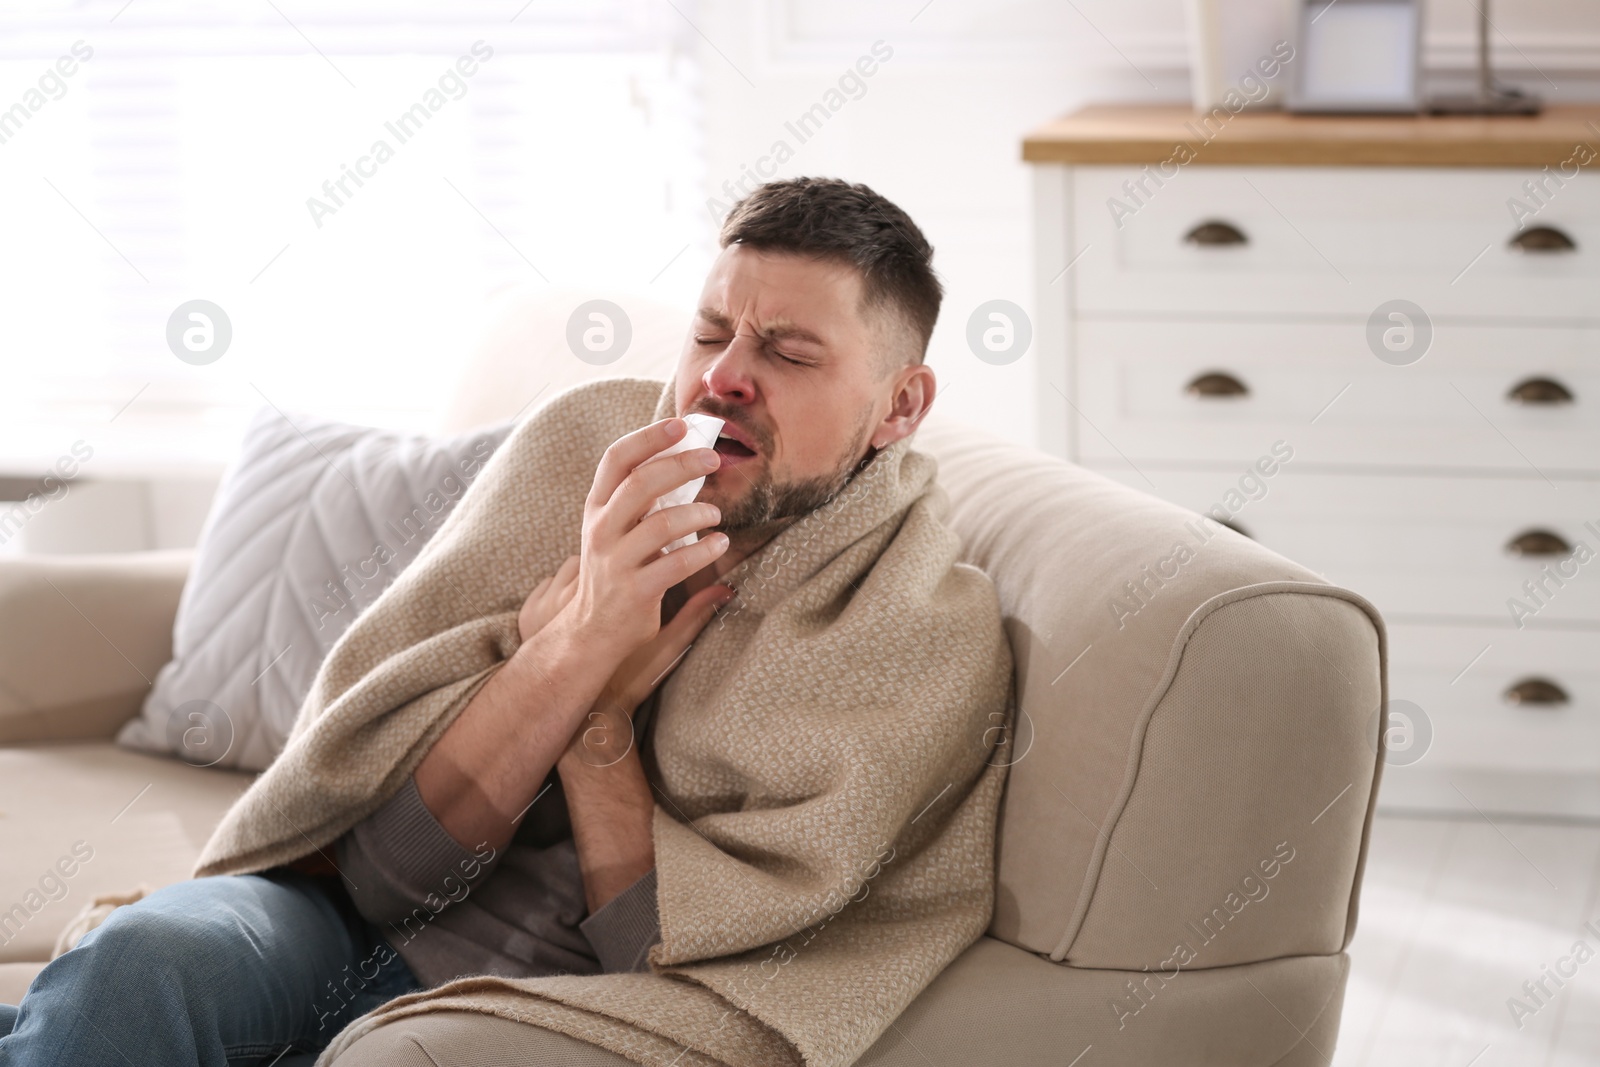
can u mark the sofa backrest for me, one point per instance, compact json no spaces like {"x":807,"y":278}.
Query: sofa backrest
{"x":523,"y":355}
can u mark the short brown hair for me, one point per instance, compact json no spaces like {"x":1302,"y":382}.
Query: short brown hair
{"x":830,"y":219}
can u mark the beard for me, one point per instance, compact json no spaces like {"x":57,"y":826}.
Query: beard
{"x":768,"y":501}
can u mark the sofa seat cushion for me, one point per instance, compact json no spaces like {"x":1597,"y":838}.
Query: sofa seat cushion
{"x":995,"y":1005}
{"x":79,"y":820}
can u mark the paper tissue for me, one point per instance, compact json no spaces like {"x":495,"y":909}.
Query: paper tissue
{"x":703,"y":431}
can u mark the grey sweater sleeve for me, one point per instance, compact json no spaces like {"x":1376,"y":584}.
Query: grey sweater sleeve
{"x":399,"y":859}
{"x":625,"y":927}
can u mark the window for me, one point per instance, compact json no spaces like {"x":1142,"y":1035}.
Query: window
{"x":349,"y":183}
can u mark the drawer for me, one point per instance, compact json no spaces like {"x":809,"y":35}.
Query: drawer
{"x":1139,"y":390}
{"x":1460,"y":678}
{"x":1332,"y":240}
{"x":1420,"y":548}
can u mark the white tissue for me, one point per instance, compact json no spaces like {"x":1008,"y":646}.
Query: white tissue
{"x":703,"y":431}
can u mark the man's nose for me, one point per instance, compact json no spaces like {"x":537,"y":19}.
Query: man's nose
{"x":728,"y":375}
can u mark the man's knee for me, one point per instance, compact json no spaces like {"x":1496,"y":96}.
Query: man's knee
{"x":167,"y":935}
{"x":139,"y":941}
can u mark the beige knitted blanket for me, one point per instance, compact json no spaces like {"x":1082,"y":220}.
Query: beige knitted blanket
{"x":828,"y":758}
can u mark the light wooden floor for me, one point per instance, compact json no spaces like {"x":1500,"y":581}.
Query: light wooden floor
{"x":1456,"y":914}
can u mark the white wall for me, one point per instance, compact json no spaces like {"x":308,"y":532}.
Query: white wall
{"x":939,"y":128}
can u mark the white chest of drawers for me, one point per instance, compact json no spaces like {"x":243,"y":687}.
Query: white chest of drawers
{"x":1445,"y":462}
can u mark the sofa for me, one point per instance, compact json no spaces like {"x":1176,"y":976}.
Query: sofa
{"x":1196,"y":756}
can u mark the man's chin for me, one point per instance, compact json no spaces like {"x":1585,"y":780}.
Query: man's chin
{"x":744,"y":507}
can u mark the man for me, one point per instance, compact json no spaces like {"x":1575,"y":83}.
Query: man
{"x":521,"y":844}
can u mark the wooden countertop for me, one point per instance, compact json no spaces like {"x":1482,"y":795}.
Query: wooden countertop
{"x":1152,"y":134}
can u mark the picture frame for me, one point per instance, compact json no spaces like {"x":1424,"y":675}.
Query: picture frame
{"x":1357,"y":56}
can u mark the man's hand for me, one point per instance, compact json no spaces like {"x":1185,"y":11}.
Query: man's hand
{"x":622,"y":574}
{"x":548,"y":598}
{"x":607,"y":733}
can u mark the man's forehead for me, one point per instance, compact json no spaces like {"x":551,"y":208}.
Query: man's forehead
{"x":779,"y":293}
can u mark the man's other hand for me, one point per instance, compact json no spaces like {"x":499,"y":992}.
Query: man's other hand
{"x":548,"y":598}
{"x":606,"y":734}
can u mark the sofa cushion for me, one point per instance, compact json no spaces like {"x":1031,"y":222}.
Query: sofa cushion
{"x":993,"y":1005}
{"x":80,"y":639}
{"x":311,"y":523}
{"x":79,"y":820}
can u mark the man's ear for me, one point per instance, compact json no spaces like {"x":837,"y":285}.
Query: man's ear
{"x":914,"y":389}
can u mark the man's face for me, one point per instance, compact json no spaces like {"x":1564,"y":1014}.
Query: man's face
{"x":782,"y":350}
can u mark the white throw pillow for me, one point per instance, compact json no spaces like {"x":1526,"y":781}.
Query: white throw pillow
{"x":311,"y":523}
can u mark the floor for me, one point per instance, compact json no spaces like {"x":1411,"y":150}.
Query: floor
{"x":1456,"y":914}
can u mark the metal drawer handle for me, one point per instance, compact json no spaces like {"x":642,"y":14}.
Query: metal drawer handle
{"x":1212,"y":233}
{"x":1539,"y":692}
{"x":1538,"y":543}
{"x":1543,"y":239}
{"x":1216,"y":383}
{"x":1540,"y":391}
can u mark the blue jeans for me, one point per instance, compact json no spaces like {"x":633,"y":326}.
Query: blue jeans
{"x":213,"y":972}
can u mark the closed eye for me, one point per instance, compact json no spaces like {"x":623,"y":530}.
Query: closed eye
{"x":708,"y":342}
{"x":798,"y":361}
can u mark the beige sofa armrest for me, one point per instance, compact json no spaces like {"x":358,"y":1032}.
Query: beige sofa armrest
{"x":81,"y":640}
{"x":1188,"y":701}
{"x":1240,"y":826}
